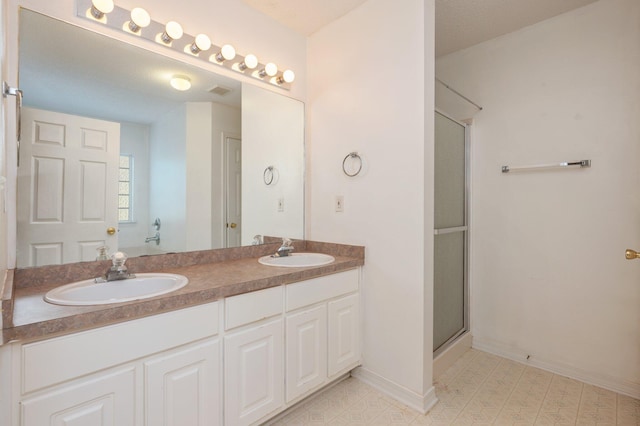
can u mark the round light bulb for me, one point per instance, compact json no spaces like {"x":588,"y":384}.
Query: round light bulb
{"x":202,"y":42}
{"x":100,"y":7}
{"x":139,"y":19}
{"x":228,"y":52}
{"x":288,"y":76}
{"x":250,"y":61}
{"x":181,"y":82}
{"x":271,"y":69}
{"x":172,"y":31}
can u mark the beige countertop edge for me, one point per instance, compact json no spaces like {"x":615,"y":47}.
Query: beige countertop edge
{"x":35,"y":319}
{"x":6,"y":304}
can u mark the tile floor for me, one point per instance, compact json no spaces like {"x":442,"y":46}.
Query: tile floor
{"x":479,"y":389}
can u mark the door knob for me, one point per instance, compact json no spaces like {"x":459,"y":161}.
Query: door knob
{"x":233,"y":225}
{"x":631,"y":254}
{"x":111,"y":230}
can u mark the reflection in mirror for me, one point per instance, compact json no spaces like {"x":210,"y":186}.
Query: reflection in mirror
{"x":109,"y":146}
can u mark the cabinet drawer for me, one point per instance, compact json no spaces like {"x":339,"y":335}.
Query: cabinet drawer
{"x":251,"y":307}
{"x":63,"y":358}
{"x":318,"y":289}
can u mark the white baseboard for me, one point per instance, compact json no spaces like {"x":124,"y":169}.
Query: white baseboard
{"x":616,"y":385}
{"x":450,"y":355}
{"x":420,"y":403}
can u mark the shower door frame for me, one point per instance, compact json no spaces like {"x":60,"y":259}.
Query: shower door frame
{"x":466,"y":327}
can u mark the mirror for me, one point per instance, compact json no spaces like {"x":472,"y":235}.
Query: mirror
{"x":109,"y":146}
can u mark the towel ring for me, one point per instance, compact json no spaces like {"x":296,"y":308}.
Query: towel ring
{"x":268,"y":175}
{"x":344,"y":168}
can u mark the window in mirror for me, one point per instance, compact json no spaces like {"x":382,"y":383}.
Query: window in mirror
{"x":125,"y":189}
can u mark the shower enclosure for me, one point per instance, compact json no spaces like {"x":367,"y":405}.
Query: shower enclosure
{"x":451,"y":318}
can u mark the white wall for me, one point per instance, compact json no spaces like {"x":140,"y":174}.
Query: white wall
{"x":371,"y":91}
{"x":272,"y":131}
{"x":167,"y":195}
{"x":549,"y":278}
{"x":199,"y":170}
{"x":134,"y":140}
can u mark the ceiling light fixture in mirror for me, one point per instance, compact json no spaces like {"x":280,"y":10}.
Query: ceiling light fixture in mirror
{"x":138,"y":22}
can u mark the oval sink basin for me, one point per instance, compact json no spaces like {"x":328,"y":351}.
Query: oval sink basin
{"x":297,"y":260}
{"x":88,"y":292}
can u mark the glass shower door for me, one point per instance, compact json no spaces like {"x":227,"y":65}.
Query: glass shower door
{"x":451,"y":228}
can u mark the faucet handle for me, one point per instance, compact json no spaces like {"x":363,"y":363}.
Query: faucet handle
{"x":118,"y":258}
{"x":286,"y":242}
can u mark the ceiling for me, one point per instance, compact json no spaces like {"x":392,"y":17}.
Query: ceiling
{"x":459,"y":23}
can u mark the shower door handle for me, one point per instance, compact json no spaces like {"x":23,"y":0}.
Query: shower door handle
{"x":631,"y":254}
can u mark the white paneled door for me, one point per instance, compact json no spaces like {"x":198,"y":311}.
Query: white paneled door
{"x":67,"y":188}
{"x":233,"y":197}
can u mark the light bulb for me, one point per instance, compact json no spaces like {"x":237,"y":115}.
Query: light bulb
{"x":287,"y":77}
{"x":180,"y":82}
{"x":100,"y":7}
{"x":250,"y":62}
{"x":227,"y":53}
{"x":172,"y":31}
{"x":269,"y":70}
{"x":139,"y":19}
{"x":202,"y":42}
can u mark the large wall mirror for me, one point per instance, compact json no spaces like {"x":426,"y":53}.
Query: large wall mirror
{"x":109,"y":145}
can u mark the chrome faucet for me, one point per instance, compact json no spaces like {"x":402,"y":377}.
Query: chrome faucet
{"x":155,"y":238}
{"x":285,"y":249}
{"x":117,"y":271}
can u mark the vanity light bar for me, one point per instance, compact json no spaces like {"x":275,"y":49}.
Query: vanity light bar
{"x":139,"y":23}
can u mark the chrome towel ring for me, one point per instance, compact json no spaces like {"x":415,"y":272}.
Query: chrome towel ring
{"x":268,"y":175}
{"x":357,"y":158}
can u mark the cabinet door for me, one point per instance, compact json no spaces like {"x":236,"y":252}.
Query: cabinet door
{"x":183,"y":387}
{"x":100,"y":400}
{"x":343,"y":334}
{"x":254,"y":373}
{"x":306,"y":357}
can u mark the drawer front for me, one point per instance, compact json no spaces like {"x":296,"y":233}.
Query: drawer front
{"x":318,"y":289}
{"x":63,"y":358}
{"x":251,"y":307}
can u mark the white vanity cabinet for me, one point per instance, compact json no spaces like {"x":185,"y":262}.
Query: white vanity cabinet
{"x":279,"y":348}
{"x":343,"y":334}
{"x":323,"y":338}
{"x":306,"y":351}
{"x":253,"y":356}
{"x":103,"y":399}
{"x":183,"y":387}
{"x":238,"y":361}
{"x":163,"y":369}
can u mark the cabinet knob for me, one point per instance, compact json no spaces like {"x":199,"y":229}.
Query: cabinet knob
{"x":631,"y":254}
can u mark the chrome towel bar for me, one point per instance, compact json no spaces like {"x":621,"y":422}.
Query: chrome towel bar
{"x":581,"y":164}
